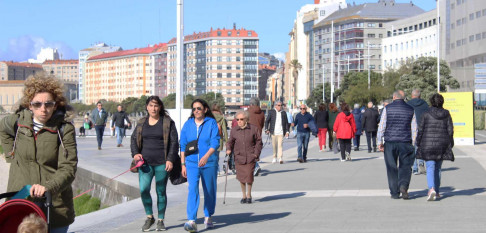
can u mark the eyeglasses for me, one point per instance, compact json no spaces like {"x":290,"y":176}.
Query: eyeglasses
{"x":48,"y":104}
{"x":240,"y":119}
{"x":303,"y":108}
{"x":198,"y":108}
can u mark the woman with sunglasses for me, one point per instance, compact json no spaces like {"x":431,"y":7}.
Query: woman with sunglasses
{"x":202,"y":165}
{"x":246,"y":143}
{"x":155,"y":140}
{"x":40,"y":143}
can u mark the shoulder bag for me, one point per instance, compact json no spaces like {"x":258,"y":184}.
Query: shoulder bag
{"x":191,"y":146}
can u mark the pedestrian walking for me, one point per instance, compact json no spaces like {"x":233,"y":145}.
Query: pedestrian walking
{"x":222,"y":129}
{"x":290,"y":119}
{"x":257,"y":118}
{"x":370,"y":120}
{"x":333,"y":112}
{"x":87,"y":125}
{"x":99,"y":116}
{"x":322,"y":117}
{"x":245,"y":143}
{"x":359,"y":129}
{"x":435,"y":140}
{"x":302,"y":120}
{"x":345,"y":130}
{"x":420,"y":107}
{"x":118,"y":124}
{"x":199,"y":141}
{"x":39,"y":141}
{"x":154,"y":140}
{"x":396,"y":133}
{"x":277,"y":126}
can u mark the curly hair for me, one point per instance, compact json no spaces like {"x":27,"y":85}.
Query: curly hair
{"x":332,"y":107}
{"x":42,"y":82}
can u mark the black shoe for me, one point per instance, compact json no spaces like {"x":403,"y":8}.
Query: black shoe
{"x":404,"y":192}
{"x":248,"y":200}
{"x":243,"y":201}
{"x":300,"y":160}
{"x":305,"y":160}
{"x":99,"y":147}
{"x":394,"y":197}
{"x":160,"y":225}
{"x":374,"y":149}
{"x":356,"y":149}
{"x":369,"y":151}
{"x":148,"y":223}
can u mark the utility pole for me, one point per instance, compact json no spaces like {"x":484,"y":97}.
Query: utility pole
{"x":332,"y":61}
{"x":179,"y":59}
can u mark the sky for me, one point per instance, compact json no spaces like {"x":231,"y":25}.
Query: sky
{"x":26,"y":26}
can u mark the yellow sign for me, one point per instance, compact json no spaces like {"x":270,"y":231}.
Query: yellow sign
{"x":460,"y":105}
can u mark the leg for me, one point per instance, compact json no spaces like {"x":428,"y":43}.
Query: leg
{"x":430,"y":164}
{"x":145,"y":182}
{"x":243,"y":190}
{"x":358,"y":140}
{"x":161,"y":177}
{"x":118,"y":135}
{"x":343,"y":149}
{"x":249,"y":186}
{"x":209,"y":183}
{"x":355,"y":142}
{"x":320,"y":136}
{"x":98,"y":134}
{"x":373,"y":137}
{"x":438,"y":174}
{"x":306,"y":145}
{"x":330,"y":138}
{"x":368,"y":140}
{"x":275,"y":146}
{"x":347,"y":143}
{"x":324,"y":135}
{"x":300,"y":140}
{"x":405,"y":159}
{"x":279,"y":146}
{"x":391,"y":158}
{"x":193,"y":176}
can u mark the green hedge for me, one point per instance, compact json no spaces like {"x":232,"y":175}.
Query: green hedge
{"x":479,"y":119}
{"x":86,"y":204}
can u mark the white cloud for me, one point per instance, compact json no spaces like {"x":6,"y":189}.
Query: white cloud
{"x":280,"y":55}
{"x":24,"y":47}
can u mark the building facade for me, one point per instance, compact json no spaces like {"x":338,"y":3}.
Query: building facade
{"x":10,"y":94}
{"x":221,"y":61}
{"x":350,"y":39}
{"x":68,"y":72}
{"x":408,"y":39}
{"x":84,"y":54}
{"x":18,"y":70}
{"x":264,"y":73}
{"x":118,"y":75}
{"x":160,"y":71}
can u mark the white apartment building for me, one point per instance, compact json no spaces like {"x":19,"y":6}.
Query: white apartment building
{"x":408,"y":39}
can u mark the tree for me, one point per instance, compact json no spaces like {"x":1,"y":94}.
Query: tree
{"x":211,"y":99}
{"x":423,"y":76}
{"x":354,"y":88}
{"x":315,"y":98}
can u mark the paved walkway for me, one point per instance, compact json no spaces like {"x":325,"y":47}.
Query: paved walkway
{"x":322,"y":195}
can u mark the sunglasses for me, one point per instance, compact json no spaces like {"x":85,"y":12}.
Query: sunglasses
{"x":240,"y":119}
{"x":37,"y":104}
{"x":303,"y":108}
{"x":198,"y":108}
{"x":278,"y":105}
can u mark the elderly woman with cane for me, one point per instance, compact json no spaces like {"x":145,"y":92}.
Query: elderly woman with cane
{"x":246,"y":143}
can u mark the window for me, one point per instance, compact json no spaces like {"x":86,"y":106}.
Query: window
{"x":219,"y":33}
{"x":452,"y":6}
{"x":484,"y":12}
{"x":380,"y":35}
{"x":452,"y":25}
{"x":249,"y":33}
{"x":229,"y":33}
{"x":458,"y":22}
{"x":228,"y":75}
{"x":478,"y":14}
{"x":484,"y":35}
{"x":471,"y":16}
{"x":323,"y":12}
{"x":371,"y":35}
{"x":478,"y":36}
{"x":458,"y":43}
{"x":471,"y":38}
{"x":463,"y":20}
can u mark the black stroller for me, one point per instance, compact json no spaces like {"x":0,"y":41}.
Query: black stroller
{"x":13,"y":211}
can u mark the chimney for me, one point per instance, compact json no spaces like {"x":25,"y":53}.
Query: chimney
{"x":234,"y":26}
{"x":316,"y":1}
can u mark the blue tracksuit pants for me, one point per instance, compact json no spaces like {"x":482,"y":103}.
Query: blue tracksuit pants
{"x":208,"y":177}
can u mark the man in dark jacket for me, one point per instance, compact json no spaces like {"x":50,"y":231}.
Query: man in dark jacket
{"x":396,"y":133}
{"x":302,"y":121}
{"x":276,"y":125}
{"x":257,"y":118}
{"x":370,"y":125}
{"x":99,"y":117}
{"x":118,"y":124}
{"x":357,"y":118}
{"x":420,"y":107}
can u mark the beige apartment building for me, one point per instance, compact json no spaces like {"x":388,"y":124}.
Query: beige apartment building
{"x":66,"y":70}
{"x":221,"y":61}
{"x":17,"y":70}
{"x":118,"y":75}
{"x":10,"y":93}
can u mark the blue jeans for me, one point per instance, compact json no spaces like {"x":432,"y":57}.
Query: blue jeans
{"x":145,"y":182}
{"x":60,"y":229}
{"x":356,"y":140}
{"x":302,"y":141}
{"x":398,"y":176}
{"x":433,"y":174}
{"x":120,"y":134}
{"x":100,"y":130}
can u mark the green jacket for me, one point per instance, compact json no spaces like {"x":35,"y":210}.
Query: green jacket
{"x":224,"y":131}
{"x":332,"y":119}
{"x":40,"y":159}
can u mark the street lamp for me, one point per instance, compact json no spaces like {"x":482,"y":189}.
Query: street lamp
{"x":438,"y":48}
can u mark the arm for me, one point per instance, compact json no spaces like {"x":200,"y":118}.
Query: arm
{"x":94,"y":113}
{"x":231,"y":141}
{"x":173,"y":153}
{"x":128,"y":120}
{"x":258,"y":144}
{"x":363,"y":120}
{"x":213,"y":142}
{"x":337,"y":123}
{"x":353,"y":125}
{"x":113,"y":120}
{"x":7,"y":134}
{"x":267,"y":121}
{"x":381,"y":127}
{"x":133,"y":143}
{"x":420,"y":132}
{"x":450,"y":129}
{"x":414,"y":129}
{"x":66,"y":163}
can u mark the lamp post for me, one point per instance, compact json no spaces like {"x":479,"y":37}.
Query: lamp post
{"x":438,"y":47}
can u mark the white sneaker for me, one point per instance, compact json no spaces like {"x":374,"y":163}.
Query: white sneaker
{"x":274,"y":160}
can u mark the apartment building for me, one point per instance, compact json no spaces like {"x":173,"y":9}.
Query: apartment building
{"x":264,"y":73}
{"x":10,"y":94}
{"x":118,"y":75}
{"x":17,"y":70}
{"x":222,"y":61}
{"x":68,"y":72}
{"x":408,"y":39}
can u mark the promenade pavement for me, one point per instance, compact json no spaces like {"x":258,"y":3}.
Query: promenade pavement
{"x":322,"y":195}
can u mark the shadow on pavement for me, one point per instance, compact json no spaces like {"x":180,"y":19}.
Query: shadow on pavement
{"x":447,"y":192}
{"x":281,"y":196}
{"x":266,"y":172}
{"x":359,"y":159}
{"x":449,"y":169}
{"x":221,"y":221}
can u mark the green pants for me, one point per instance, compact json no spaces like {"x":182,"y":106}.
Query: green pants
{"x":145,"y":181}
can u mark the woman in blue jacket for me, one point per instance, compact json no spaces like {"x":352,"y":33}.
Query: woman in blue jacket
{"x":201,"y":165}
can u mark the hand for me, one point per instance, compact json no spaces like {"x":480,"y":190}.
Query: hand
{"x":168,"y":166}
{"x":267,"y":132}
{"x":305,"y":126}
{"x":203,"y":161}
{"x":256,"y":158}
{"x":381,"y":147}
{"x":113,"y":128}
{"x":228,"y":152}
{"x":128,"y":124}
{"x":138,"y":157}
{"x":37,"y":190}
{"x":287,"y":134}
{"x":184,"y":171}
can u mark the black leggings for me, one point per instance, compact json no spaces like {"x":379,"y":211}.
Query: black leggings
{"x":345,"y":145}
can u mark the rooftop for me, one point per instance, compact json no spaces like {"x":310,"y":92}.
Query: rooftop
{"x":22,"y":64}
{"x":224,"y":33}
{"x":60,"y":62}
{"x":131,"y":52}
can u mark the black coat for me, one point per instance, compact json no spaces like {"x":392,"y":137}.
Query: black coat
{"x":370,"y":120}
{"x":272,"y":117}
{"x":435,"y":135}
{"x":321,"y":117}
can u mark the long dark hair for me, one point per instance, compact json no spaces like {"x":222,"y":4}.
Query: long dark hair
{"x":205,"y":105}
{"x":155,"y":98}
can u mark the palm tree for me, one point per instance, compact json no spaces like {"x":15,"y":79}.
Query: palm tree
{"x":296,"y":66}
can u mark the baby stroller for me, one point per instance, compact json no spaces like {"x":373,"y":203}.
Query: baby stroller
{"x":13,"y":211}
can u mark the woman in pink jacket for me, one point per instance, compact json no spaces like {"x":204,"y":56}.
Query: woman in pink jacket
{"x":345,"y":128}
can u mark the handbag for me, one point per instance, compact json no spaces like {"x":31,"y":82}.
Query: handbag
{"x":191,"y":147}
{"x":175,"y":175}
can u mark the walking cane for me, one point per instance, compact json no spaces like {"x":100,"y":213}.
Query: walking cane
{"x":225,"y":168}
